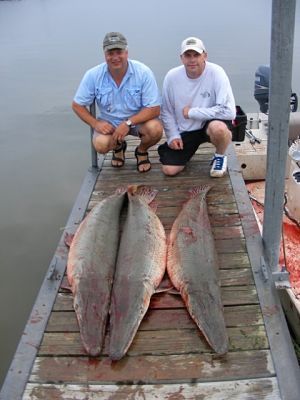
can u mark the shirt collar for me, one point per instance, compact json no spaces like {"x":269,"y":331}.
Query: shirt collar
{"x":129,"y":72}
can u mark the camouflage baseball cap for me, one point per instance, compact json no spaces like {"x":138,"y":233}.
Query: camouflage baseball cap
{"x":114,"y":40}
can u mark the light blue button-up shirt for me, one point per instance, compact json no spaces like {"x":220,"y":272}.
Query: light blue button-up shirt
{"x":116,"y":104}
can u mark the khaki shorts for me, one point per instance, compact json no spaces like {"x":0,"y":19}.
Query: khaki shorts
{"x":134,"y":131}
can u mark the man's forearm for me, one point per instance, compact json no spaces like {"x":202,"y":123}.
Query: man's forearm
{"x":84,"y":114}
{"x":145,"y":115}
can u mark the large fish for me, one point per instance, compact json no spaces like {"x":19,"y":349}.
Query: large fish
{"x":193,"y":268}
{"x":91,"y":267}
{"x":140,"y":268}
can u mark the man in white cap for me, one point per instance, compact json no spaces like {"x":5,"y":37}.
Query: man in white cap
{"x":128,"y":99}
{"x":197,"y":106}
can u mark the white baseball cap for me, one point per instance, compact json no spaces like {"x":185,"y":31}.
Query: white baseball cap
{"x":192,"y":43}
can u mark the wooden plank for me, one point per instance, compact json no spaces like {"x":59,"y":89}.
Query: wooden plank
{"x":224,"y":220}
{"x":154,"y":369}
{"x":130,"y":162}
{"x":190,"y":178}
{"x":228,"y":277}
{"x":233,"y":260}
{"x":231,"y":232}
{"x":204,"y":155}
{"x":165,"y":198}
{"x":221,"y":220}
{"x":235,"y":277}
{"x":173,"y":341}
{"x":173,"y":211}
{"x":231,"y":245}
{"x":116,"y":179}
{"x":182,"y":190}
{"x":165,"y":319}
{"x":199,"y":166}
{"x":216,"y":220}
{"x":236,"y":295}
{"x":262,"y":389}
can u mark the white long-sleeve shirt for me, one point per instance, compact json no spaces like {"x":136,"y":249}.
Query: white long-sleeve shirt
{"x":209,"y":97}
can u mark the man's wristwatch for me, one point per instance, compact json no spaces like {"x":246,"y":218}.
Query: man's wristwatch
{"x":128,"y":123}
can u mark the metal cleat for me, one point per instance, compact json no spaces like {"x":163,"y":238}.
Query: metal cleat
{"x":282,"y":278}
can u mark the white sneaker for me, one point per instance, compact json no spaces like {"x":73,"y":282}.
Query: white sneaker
{"x":219,"y":166}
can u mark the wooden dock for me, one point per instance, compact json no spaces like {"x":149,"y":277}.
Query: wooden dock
{"x":169,"y":357}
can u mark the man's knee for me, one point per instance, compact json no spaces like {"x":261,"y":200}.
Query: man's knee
{"x":172,"y":170}
{"x":153,"y":129}
{"x":101,"y":143}
{"x":218,"y":130}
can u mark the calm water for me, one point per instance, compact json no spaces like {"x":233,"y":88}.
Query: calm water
{"x":45,"y":47}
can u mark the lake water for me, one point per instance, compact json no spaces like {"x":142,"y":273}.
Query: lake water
{"x":45,"y":47}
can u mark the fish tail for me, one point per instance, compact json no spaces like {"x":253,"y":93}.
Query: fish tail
{"x":146,"y":193}
{"x":198,"y":190}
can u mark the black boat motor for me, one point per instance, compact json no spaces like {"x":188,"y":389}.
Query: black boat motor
{"x":261,"y":95}
{"x":261,"y":90}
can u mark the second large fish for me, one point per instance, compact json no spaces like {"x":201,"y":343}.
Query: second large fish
{"x":193,"y":268}
{"x":140,"y":268}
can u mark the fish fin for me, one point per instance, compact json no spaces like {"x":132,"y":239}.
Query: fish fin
{"x":162,"y":290}
{"x":201,"y":189}
{"x":66,"y":286}
{"x":174,"y":291}
{"x":169,"y":290}
{"x":68,"y":238}
{"x":146,"y":193}
{"x":153,"y":205}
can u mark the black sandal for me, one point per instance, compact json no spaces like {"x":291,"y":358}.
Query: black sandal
{"x":122,"y":147}
{"x":142,"y":162}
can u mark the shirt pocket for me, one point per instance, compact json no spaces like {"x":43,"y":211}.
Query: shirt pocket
{"x":133,"y":98}
{"x":105,"y":98}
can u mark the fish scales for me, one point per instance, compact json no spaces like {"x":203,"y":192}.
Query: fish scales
{"x":192,"y":266}
{"x":141,"y":265}
{"x":91,"y":267}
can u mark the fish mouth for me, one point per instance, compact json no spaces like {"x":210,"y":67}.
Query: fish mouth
{"x":93,"y":351}
{"x":116,"y":356}
{"x":132,"y":189}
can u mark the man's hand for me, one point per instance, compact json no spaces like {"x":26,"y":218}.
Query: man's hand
{"x":104,"y":127}
{"x":120,"y":132}
{"x":176,"y":144}
{"x":185,"y":112}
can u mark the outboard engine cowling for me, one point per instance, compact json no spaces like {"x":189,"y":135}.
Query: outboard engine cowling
{"x":261,"y":90}
{"x":261,"y":87}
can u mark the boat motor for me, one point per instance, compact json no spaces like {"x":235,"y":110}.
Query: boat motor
{"x":261,"y":90}
{"x":261,"y":87}
{"x":261,"y":95}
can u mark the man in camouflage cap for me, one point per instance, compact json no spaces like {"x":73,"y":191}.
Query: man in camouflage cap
{"x":128,"y":100}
